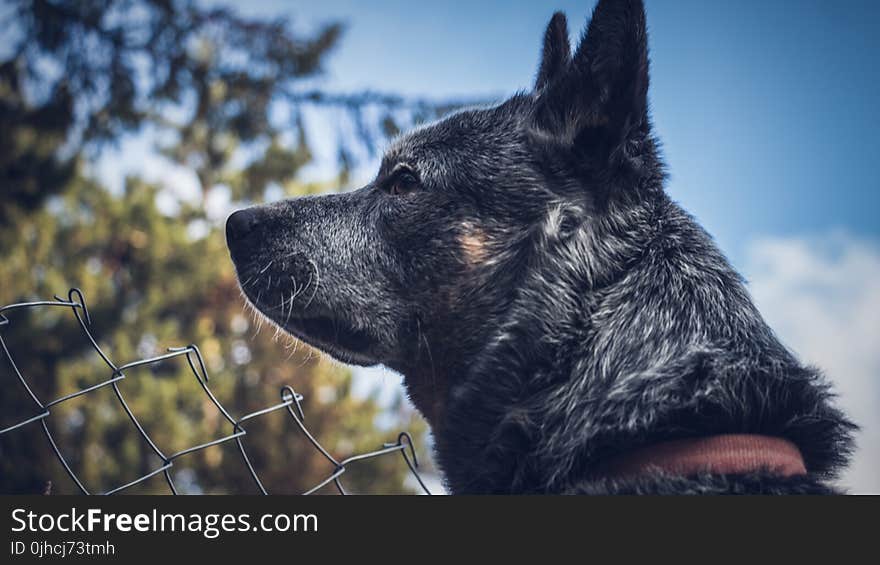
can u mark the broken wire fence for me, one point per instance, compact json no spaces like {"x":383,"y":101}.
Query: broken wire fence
{"x":290,"y":402}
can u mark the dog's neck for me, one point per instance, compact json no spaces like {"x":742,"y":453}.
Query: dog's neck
{"x":556,"y":395}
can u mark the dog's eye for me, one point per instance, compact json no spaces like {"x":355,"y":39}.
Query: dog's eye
{"x":402,"y":183}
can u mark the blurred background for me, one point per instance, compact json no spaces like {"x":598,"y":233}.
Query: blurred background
{"x":130,"y":129}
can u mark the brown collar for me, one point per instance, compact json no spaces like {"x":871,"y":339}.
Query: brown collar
{"x":728,"y":454}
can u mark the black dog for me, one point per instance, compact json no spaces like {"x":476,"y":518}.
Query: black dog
{"x":562,"y":325}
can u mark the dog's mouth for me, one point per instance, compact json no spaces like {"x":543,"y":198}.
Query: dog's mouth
{"x":300,"y":311}
{"x":331,"y":334}
{"x":335,"y":337}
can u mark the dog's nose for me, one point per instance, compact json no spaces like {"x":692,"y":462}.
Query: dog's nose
{"x":240,"y":224}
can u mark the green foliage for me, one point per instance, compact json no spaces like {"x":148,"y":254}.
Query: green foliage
{"x":79,"y":75}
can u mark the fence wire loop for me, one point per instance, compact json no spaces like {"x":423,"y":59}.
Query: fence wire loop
{"x":288,"y":394}
{"x":291,"y":401}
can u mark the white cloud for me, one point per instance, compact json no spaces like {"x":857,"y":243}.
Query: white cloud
{"x":822,"y":297}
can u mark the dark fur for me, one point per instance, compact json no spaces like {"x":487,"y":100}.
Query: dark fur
{"x":548,"y":304}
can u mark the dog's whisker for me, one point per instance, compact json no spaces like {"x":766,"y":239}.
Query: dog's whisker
{"x":258,"y":320}
{"x":290,"y":311}
{"x":317,"y":277}
{"x":423,"y":337}
{"x":296,"y":288}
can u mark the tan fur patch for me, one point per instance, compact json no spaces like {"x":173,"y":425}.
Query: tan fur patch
{"x":474,"y":245}
{"x":597,"y":120}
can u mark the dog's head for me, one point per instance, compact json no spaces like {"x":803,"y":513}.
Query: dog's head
{"x":418,"y":269}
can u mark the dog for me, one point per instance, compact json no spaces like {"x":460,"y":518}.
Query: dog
{"x":563,"y":326}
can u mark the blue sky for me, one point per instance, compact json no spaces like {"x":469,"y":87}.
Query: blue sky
{"x":767,"y":109}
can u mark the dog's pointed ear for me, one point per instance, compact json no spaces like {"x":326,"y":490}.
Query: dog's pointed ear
{"x":556,"y":53}
{"x":602,"y":95}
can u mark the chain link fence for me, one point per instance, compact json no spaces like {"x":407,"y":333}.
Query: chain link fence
{"x":290,"y":401}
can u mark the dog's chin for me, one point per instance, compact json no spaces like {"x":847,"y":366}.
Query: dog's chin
{"x":335,"y":338}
